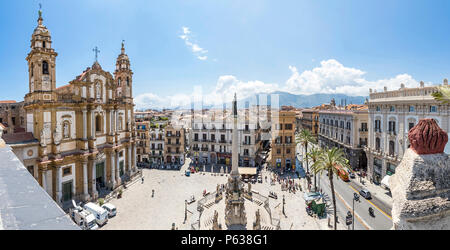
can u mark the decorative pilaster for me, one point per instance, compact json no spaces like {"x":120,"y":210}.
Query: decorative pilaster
{"x":85,"y":180}
{"x":113,"y":168}
{"x":94,"y":193}
{"x":58,"y":186}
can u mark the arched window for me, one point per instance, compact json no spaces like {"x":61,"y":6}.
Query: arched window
{"x":118,"y":82}
{"x":98,"y":123}
{"x":377,"y":143}
{"x":32,"y":70}
{"x":128,"y":81}
{"x":45,"y":67}
{"x":43,"y":44}
{"x":391,"y":148}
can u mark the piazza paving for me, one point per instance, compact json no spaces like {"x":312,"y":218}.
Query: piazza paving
{"x":138,"y":210}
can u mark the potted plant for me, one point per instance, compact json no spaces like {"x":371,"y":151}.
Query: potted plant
{"x":119,"y":195}
{"x":101,"y":201}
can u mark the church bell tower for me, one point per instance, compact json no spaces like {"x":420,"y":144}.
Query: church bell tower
{"x":41,"y":65}
{"x":124,"y":76}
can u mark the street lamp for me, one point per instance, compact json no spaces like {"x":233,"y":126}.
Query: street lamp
{"x":185,"y":211}
{"x":355,"y":198}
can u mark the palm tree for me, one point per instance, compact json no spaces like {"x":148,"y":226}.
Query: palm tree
{"x":327,"y":162}
{"x":304,"y":138}
{"x":443,"y":94}
{"x":314,"y":154}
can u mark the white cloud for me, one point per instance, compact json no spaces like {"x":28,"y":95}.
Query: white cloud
{"x":196,"y":49}
{"x":333,"y":77}
{"x":330,"y":77}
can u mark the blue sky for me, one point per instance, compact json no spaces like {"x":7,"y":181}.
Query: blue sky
{"x":222,"y":46}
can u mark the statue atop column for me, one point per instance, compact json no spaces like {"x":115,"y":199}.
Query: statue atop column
{"x":235,"y":216}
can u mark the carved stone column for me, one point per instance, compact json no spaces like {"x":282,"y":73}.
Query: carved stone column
{"x":94,"y":193}
{"x":58,"y":186}
{"x":113,"y":168}
{"x":85,"y":181}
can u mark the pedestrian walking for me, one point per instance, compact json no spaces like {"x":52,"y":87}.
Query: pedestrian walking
{"x":142,"y":179}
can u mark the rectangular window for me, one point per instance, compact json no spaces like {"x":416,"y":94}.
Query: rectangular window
{"x":67,"y":171}
{"x":412,"y":108}
{"x":433,"y":109}
{"x":31,"y":170}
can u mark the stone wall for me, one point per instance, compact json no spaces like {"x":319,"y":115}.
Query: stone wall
{"x":421,"y":185}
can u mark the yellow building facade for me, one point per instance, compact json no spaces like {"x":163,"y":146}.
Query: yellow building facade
{"x":85,"y":137}
{"x":283,"y":154}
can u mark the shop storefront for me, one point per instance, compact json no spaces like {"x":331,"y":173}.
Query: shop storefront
{"x":390,"y":168}
{"x":377,"y":168}
{"x":224,"y":158}
{"x":278,"y":163}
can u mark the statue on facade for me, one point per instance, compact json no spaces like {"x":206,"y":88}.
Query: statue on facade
{"x":216,"y":225}
{"x":57,"y":135}
{"x":257,"y":223}
{"x":42,"y":138}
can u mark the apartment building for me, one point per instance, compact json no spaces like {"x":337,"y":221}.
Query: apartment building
{"x":12,"y":116}
{"x":283,"y":140}
{"x":310,"y":120}
{"x":211,"y":138}
{"x":346,"y":128}
{"x":175,"y":147}
{"x":143,"y":141}
{"x":156,"y":142}
{"x":391,"y":115}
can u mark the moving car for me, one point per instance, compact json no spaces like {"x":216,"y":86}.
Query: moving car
{"x":365,"y":193}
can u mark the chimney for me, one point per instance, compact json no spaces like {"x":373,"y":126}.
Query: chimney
{"x":445,"y":82}
{"x":422,"y":84}
{"x":385,"y":88}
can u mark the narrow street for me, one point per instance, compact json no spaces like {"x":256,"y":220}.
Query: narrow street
{"x":344,"y":203}
{"x":344,"y":198}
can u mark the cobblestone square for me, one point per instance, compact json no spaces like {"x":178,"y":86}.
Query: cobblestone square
{"x":137,"y":210}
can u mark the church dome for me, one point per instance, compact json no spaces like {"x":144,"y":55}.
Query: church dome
{"x":96,"y":66}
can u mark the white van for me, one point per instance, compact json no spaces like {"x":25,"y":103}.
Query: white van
{"x":83,"y":218}
{"x":110,"y":208}
{"x":100,"y":214}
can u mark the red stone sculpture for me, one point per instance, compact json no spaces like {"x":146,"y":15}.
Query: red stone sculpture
{"x":427,"y":137}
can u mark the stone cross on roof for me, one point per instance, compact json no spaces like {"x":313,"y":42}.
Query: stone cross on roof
{"x":96,"y":51}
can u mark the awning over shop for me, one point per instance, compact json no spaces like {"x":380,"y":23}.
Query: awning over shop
{"x":247,"y":171}
{"x":385,"y":181}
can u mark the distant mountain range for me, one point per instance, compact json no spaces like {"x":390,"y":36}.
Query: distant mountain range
{"x":308,"y":101}
{"x":288,"y":99}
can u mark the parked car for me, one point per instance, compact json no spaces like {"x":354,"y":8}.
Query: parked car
{"x":352,"y":175}
{"x":112,"y":211}
{"x":100,"y":214}
{"x":365,"y":193}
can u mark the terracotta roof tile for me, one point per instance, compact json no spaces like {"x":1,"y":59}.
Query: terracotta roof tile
{"x":19,"y":138}
{"x":8,"y":101}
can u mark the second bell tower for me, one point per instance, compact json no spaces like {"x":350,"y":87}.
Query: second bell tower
{"x":41,"y":65}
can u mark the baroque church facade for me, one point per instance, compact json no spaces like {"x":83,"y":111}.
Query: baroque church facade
{"x":81,"y":136}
